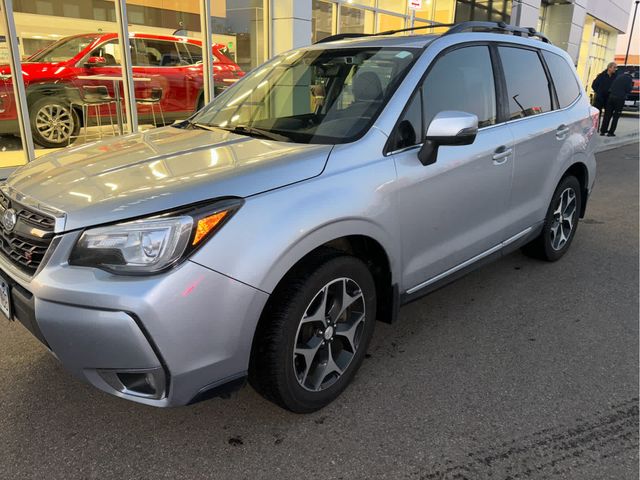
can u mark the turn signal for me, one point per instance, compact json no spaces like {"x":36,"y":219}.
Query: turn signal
{"x":207,"y":224}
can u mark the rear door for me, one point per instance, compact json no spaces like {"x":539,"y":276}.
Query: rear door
{"x":160,"y":61}
{"x":540,"y":131}
{"x":455,"y":209}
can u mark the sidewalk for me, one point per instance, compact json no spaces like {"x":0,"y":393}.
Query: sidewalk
{"x":628,"y":131}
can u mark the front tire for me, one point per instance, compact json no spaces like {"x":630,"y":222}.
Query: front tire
{"x":314,"y":333}
{"x":560,"y":223}
{"x":53,"y":122}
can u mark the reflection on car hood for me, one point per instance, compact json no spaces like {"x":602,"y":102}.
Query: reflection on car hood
{"x":33,"y":71}
{"x":165,"y":168}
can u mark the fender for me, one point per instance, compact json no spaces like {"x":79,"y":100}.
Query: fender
{"x":275,"y":230}
{"x":325,"y":234}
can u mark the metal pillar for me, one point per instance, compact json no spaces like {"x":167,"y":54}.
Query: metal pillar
{"x":633,"y":23}
{"x":6,"y":7}
{"x":267,"y":48}
{"x":127,"y":72}
{"x":207,"y":53}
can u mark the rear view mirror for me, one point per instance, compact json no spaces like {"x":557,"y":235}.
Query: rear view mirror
{"x":95,"y":62}
{"x":448,"y":128}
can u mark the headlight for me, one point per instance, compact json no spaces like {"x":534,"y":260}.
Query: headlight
{"x":150,"y":245}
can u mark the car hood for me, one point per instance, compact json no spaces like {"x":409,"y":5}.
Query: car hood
{"x":144,"y":173}
{"x":33,"y":71}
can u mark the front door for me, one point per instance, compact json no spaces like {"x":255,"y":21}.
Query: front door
{"x":455,"y":209}
{"x":110,"y":51}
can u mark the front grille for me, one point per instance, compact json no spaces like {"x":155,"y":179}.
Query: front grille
{"x":26,"y":244}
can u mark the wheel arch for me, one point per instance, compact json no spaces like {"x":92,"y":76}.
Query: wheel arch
{"x":579,"y":170}
{"x":35,"y":91}
{"x":368,"y":247}
{"x":350,"y":235}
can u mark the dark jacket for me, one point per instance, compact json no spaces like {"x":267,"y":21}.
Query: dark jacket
{"x":621,"y":86}
{"x":602,"y":84}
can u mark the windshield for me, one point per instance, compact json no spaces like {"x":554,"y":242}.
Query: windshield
{"x":63,"y":50}
{"x":313,"y":96}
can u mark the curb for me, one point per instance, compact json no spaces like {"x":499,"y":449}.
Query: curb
{"x":604,"y":145}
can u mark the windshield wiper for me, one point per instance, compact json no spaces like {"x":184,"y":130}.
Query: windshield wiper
{"x":201,"y":126}
{"x":253,"y":131}
{"x":244,"y":130}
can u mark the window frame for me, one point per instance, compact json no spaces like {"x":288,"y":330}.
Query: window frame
{"x":573,"y":74}
{"x":553,"y":97}
{"x":499,"y":86}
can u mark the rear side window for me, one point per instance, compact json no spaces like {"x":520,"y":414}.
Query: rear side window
{"x":195,"y":51}
{"x":159,"y":53}
{"x":461,"y":80}
{"x":527,"y":83}
{"x":564,"y":80}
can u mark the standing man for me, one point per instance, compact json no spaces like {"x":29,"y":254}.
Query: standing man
{"x":601,"y":86}
{"x":618,"y":92}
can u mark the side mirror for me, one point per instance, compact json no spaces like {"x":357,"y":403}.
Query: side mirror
{"x":448,"y":128}
{"x":96,"y":62}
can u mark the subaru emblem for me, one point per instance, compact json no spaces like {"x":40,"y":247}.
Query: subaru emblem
{"x":9,"y":219}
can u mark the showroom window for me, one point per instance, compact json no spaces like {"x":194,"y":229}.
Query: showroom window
{"x":323,"y":20}
{"x":597,"y":49}
{"x":356,"y":20}
{"x":86,"y":101}
{"x":483,"y":10}
{"x":374,"y":16}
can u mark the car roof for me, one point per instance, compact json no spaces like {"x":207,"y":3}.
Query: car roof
{"x":102,"y":36}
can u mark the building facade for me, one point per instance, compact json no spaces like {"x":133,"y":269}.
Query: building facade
{"x":254,"y":30}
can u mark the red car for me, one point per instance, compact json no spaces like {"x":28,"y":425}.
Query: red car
{"x":171,"y":67}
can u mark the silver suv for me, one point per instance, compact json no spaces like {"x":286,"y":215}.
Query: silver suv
{"x":263,"y":237}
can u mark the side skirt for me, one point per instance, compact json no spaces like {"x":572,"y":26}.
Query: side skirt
{"x":445,"y":278}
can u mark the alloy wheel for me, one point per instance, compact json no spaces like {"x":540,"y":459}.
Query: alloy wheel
{"x":54,"y":122}
{"x":563,"y":219}
{"x":329,"y":334}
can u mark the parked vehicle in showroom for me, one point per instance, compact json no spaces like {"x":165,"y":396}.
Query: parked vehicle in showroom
{"x":55,"y":85}
{"x":263,"y":237}
{"x":632,"y":102}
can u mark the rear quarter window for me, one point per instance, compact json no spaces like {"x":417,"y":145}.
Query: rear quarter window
{"x":564,"y":80}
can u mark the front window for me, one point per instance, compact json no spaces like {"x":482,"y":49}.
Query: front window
{"x":313,"y":96}
{"x":63,"y":50}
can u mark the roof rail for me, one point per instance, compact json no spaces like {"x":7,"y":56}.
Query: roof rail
{"x":342,"y":36}
{"x":454,"y":28}
{"x":497,"y":27}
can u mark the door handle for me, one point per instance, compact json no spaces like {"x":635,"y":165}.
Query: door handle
{"x":562,"y":132}
{"x":501,"y":155}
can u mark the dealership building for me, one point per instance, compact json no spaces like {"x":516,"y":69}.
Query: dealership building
{"x":251,"y":31}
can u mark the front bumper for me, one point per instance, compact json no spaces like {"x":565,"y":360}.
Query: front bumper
{"x":192,"y":327}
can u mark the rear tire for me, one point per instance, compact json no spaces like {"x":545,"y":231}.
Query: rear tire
{"x":560,"y":223}
{"x":314,"y":333}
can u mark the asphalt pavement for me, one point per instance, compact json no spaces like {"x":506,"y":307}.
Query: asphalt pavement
{"x":520,"y":370}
